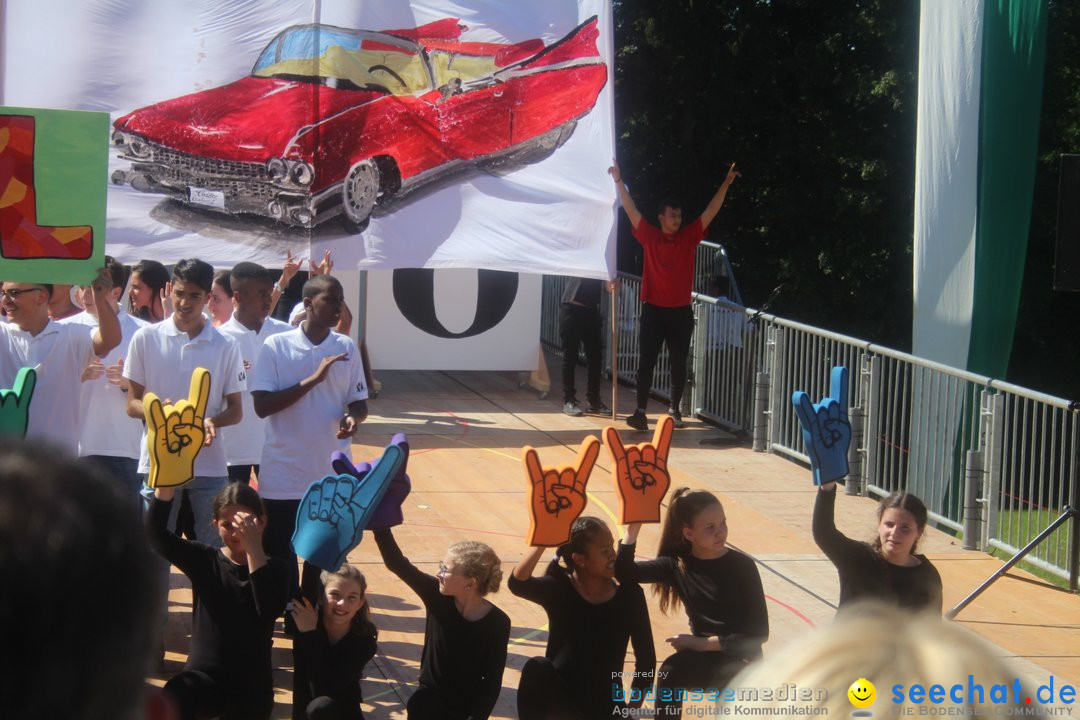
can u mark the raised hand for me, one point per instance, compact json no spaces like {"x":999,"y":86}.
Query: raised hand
{"x":166,"y":300}
{"x":825,"y":427}
{"x":176,"y":433}
{"x":388,"y":513}
{"x":15,"y":403}
{"x":289,"y":269}
{"x":335,"y":510}
{"x":322,"y":268}
{"x":557,"y":495}
{"x":641,"y":472}
{"x":732,"y":173}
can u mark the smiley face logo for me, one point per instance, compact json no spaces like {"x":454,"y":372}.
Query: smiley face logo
{"x":862,"y":693}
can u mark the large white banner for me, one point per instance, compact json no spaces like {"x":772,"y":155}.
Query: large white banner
{"x":453,"y":320}
{"x":400,"y":134}
{"x":946,"y":178}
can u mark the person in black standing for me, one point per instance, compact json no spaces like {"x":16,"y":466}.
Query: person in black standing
{"x":580,"y":324}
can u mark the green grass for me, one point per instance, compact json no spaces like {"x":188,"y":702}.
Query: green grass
{"x":1019,"y":527}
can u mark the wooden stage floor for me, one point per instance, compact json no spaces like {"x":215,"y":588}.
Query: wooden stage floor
{"x":466,"y":430}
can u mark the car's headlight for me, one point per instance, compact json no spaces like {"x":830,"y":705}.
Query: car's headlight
{"x":275,"y":167}
{"x":134,"y":144}
{"x":302,"y":173}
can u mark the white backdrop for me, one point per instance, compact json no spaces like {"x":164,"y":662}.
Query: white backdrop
{"x":396,"y":343}
{"x":555,"y":216}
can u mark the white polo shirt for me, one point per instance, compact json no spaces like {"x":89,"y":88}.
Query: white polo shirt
{"x":244,"y":441}
{"x":106,"y":428}
{"x":162,"y":359}
{"x":301,"y":438}
{"x":59,"y":353}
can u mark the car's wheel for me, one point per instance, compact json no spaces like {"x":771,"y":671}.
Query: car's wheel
{"x":358,"y":196}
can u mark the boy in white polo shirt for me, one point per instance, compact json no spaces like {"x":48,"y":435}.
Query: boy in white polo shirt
{"x":310,"y":383}
{"x":108,"y":436}
{"x":249,"y":327}
{"x":161,"y":360}
{"x":59,"y":353}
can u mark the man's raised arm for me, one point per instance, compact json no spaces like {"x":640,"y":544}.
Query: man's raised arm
{"x":717,"y":201}
{"x":624,"y":197}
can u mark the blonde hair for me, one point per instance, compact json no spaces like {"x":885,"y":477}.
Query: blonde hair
{"x":888,"y":646}
{"x":478,"y":562}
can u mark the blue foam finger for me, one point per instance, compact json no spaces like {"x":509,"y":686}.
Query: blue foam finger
{"x":826,"y":429}
{"x":377,"y":482}
{"x":319,"y":537}
{"x":838,"y":386}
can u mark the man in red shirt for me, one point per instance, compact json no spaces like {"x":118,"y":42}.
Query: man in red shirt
{"x":667,"y":278}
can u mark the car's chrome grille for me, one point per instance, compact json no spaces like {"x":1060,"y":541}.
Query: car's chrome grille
{"x":184,"y":167}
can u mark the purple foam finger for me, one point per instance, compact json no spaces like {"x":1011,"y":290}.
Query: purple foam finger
{"x":343,"y":465}
{"x":401,"y":440}
{"x":389,"y":513}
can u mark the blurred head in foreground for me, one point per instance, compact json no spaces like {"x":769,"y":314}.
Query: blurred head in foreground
{"x":79,"y":603}
{"x":876,"y":658}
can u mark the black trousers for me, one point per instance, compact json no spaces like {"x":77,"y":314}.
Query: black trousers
{"x":688,"y":670}
{"x":425,"y":704}
{"x":544,"y":694}
{"x":200,"y":695}
{"x":242,"y":473}
{"x":659,"y":325}
{"x":580,"y":325}
{"x":277,"y":539}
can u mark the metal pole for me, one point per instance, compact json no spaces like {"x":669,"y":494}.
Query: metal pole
{"x":614,"y":345}
{"x":761,"y":411}
{"x":972,"y":512}
{"x":1074,"y":526}
{"x":853,"y":481}
{"x":1069,"y":513}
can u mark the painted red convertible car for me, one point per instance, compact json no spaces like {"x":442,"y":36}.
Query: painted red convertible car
{"x":334,"y":121}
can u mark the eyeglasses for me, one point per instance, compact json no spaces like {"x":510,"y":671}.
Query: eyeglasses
{"x":14,"y":294}
{"x":443,"y":570}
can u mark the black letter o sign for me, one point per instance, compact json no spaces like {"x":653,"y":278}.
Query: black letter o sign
{"x":414,"y":293}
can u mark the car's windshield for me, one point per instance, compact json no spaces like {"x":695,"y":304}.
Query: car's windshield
{"x":345,"y":59}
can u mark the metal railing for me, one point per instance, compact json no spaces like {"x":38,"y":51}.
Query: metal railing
{"x":994,"y":461}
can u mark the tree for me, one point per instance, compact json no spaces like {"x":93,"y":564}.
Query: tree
{"x":818,"y":108}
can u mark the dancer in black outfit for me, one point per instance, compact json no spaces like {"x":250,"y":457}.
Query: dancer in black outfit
{"x":888,"y":568}
{"x":590,"y":620}
{"x":335,"y":639}
{"x":719,"y":586}
{"x":580,"y":323}
{"x":238,"y":593}
{"x":465,"y":639}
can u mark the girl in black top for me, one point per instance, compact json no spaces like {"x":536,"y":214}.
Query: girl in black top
{"x":590,"y":620}
{"x":888,"y":568}
{"x":719,"y":586}
{"x":335,"y":639}
{"x":238,"y":593}
{"x":465,"y":639}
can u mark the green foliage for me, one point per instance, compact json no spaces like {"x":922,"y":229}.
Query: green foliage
{"x":817,"y":106}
